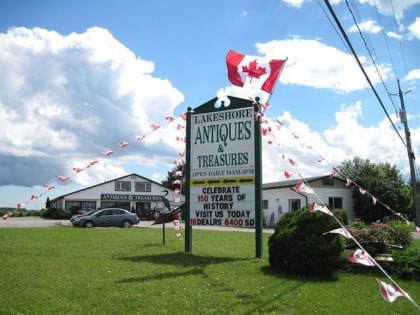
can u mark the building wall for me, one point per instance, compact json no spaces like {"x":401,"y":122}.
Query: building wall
{"x":278,"y":203}
{"x":344,"y":193}
{"x":279,"y":199}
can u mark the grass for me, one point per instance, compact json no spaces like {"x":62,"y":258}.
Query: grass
{"x":64,"y":270}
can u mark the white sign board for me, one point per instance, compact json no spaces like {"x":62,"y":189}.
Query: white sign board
{"x":222,"y":168}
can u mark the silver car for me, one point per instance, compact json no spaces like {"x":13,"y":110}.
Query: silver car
{"x":74,"y":217}
{"x":107,"y":217}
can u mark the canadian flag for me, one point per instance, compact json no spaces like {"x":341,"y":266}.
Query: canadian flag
{"x":48,"y":187}
{"x":91,"y":163}
{"x":341,"y":231}
{"x":316,"y":207}
{"x":62,"y":178}
{"x":253,"y":72}
{"x":302,"y":187}
{"x":177,"y":173}
{"x":170,"y":118}
{"x":123,"y":144}
{"x":390,"y":292}
{"x":358,"y":256}
{"x":154,"y":127}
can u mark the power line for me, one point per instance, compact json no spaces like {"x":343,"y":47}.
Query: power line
{"x":333,"y":26}
{"x":362,"y":69}
{"x":373,"y":58}
{"x":403,"y":57}
{"x":398,"y":27}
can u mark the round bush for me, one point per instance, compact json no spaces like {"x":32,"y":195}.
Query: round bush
{"x":298,"y":243}
{"x":53,"y":213}
{"x":406,"y":264}
{"x":393,"y":232}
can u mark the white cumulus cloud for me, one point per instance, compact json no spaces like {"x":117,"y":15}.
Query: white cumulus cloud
{"x":67,"y":98}
{"x":315,"y":64}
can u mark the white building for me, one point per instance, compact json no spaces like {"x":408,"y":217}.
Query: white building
{"x":281,"y":197}
{"x":132,"y":192}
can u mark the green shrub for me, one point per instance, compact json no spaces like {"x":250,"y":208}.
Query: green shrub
{"x":393,"y":232}
{"x":53,"y":213}
{"x":59,"y":214}
{"x":403,"y":232}
{"x":17,"y":213}
{"x":20,"y":213}
{"x":46,"y":213}
{"x":298,"y":243}
{"x":406,"y":263}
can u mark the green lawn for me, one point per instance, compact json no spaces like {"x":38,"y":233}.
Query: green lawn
{"x":64,"y":270}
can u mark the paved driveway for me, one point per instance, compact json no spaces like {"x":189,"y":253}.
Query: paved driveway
{"x":32,"y":222}
{"x":39,"y":222}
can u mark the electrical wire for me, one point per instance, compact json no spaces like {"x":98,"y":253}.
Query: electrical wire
{"x":398,"y":27}
{"x":362,"y":69}
{"x":333,"y":26}
{"x":372,"y":55}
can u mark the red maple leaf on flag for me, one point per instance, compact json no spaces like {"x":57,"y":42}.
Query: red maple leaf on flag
{"x":253,"y":70}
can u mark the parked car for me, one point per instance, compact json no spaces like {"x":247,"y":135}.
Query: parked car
{"x":107,"y":217}
{"x":73,"y":217}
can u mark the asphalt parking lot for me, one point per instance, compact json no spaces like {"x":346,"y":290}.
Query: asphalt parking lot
{"x":34,"y":222}
{"x":37,"y":222}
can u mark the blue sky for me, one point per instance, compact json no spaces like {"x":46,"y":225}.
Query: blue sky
{"x":78,"y":77}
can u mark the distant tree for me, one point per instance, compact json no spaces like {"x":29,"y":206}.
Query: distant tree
{"x":382,"y":181}
{"x":48,"y":203}
{"x":175,"y":179}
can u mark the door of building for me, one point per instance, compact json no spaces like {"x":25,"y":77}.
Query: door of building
{"x":143,"y":209}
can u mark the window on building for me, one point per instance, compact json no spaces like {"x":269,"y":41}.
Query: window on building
{"x":265,"y":204}
{"x":335,"y":202}
{"x":122,"y":186}
{"x":143,"y":187}
{"x":115,"y":204}
{"x":294,"y":204}
{"x":328,"y":182}
{"x":80,"y":205}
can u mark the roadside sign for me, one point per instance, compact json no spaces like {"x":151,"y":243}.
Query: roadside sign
{"x":223,"y":165}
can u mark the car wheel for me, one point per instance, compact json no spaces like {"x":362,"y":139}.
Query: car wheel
{"x":126,"y":224}
{"x":88,"y":224}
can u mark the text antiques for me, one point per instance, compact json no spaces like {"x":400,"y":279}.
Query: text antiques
{"x":131,"y":197}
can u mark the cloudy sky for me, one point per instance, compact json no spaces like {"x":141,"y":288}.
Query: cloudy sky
{"x":78,"y":77}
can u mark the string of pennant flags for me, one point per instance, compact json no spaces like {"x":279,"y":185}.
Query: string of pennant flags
{"x":390,"y":292}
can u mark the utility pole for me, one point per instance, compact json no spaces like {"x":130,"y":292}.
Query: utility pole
{"x":411,"y":157}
